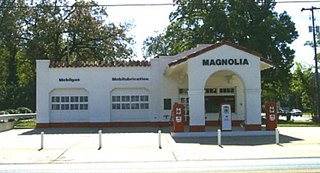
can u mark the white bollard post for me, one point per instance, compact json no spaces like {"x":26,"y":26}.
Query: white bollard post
{"x":277,"y":136}
{"x":219,"y":137}
{"x":159,"y":134}
{"x":42,"y":140}
{"x":100,"y":139}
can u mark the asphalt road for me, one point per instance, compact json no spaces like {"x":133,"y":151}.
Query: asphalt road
{"x":243,"y":165}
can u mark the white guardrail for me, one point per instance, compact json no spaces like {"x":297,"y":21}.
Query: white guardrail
{"x":6,"y":117}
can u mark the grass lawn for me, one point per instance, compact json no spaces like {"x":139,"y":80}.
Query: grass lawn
{"x":282,"y":123}
{"x":30,"y":123}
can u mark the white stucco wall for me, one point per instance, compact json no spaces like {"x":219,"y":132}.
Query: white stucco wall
{"x":97,"y":84}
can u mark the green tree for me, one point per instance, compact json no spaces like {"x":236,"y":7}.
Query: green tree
{"x":252,"y":24}
{"x":12,"y":24}
{"x":302,"y":87}
{"x":54,"y":30}
{"x":63,"y":32}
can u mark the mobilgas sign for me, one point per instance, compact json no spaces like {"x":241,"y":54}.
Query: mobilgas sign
{"x":218,"y":62}
{"x":69,"y":80}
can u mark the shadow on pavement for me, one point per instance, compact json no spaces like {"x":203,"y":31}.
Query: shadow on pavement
{"x":236,"y":140}
{"x":93,"y":130}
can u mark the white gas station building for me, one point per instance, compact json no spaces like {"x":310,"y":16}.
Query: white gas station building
{"x":141,"y":93}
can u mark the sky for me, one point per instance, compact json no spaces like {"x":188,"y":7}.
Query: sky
{"x":151,"y":19}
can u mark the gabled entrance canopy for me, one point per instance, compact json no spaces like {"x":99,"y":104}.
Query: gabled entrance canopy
{"x":222,"y":66}
{"x":180,"y":65}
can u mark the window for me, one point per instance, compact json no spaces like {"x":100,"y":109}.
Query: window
{"x":167,"y":104}
{"x":83,"y":98}
{"x":213,"y":103}
{"x":125,"y":98}
{"x":69,"y":103}
{"x":134,"y":105}
{"x":64,"y":98}
{"x":144,"y":106}
{"x":74,"y":99}
{"x":115,"y":98}
{"x":226,"y":90}
{"x":130,"y":102}
{"x":64,"y":106}
{"x":55,"y":99}
{"x":55,"y":107}
{"x":125,"y":106}
{"x":83,"y":106}
{"x":144,"y":98}
{"x":115,"y":105}
{"x":211,"y":90}
{"x":183,"y":91}
{"x":74,"y":106}
{"x":134,"y":98}
{"x":185,"y":102}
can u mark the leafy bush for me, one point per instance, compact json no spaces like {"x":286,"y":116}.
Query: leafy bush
{"x":22,"y":110}
{"x":12,"y":111}
{"x":3,"y":112}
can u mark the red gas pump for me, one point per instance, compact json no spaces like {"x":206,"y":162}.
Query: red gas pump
{"x":271,"y":110}
{"x":178,"y":117}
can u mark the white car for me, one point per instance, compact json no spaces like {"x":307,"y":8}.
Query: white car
{"x":296,"y":112}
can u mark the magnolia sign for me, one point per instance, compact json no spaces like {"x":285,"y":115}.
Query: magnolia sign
{"x":219,"y":62}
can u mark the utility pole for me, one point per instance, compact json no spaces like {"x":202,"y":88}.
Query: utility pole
{"x":315,"y":58}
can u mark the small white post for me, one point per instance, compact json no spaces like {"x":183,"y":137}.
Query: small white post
{"x":219,"y":137}
{"x":100,"y":139}
{"x":42,"y":140}
{"x":277,"y":136}
{"x":159,"y":134}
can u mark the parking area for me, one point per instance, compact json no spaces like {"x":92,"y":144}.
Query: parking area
{"x":136,"y":144}
{"x":305,"y":118}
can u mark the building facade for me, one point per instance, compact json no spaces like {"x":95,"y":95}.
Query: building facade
{"x":141,"y":93}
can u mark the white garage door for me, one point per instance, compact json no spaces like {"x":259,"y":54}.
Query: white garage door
{"x":129,"y":105}
{"x":69,"y":105}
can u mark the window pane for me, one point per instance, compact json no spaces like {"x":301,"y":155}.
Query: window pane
{"x":83,"y":98}
{"x":74,"y":106}
{"x":212,"y":103}
{"x":134,"y":98}
{"x":116,"y":106}
{"x":144,"y":98}
{"x":83,"y":106}
{"x":135,"y":106}
{"x":125,"y":98}
{"x":55,"y":99}
{"x":65,"y":99}
{"x":55,"y":107}
{"x":74,"y":99}
{"x":64,"y":106}
{"x":144,"y":106}
{"x":115,"y":98}
{"x":125,"y":106}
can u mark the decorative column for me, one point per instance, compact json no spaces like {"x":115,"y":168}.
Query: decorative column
{"x":253,"y":109}
{"x":196,"y":110}
{"x":42,"y":94}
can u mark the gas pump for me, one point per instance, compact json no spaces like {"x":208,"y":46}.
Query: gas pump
{"x":178,"y":117}
{"x":226,"y":118}
{"x":271,"y":115}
